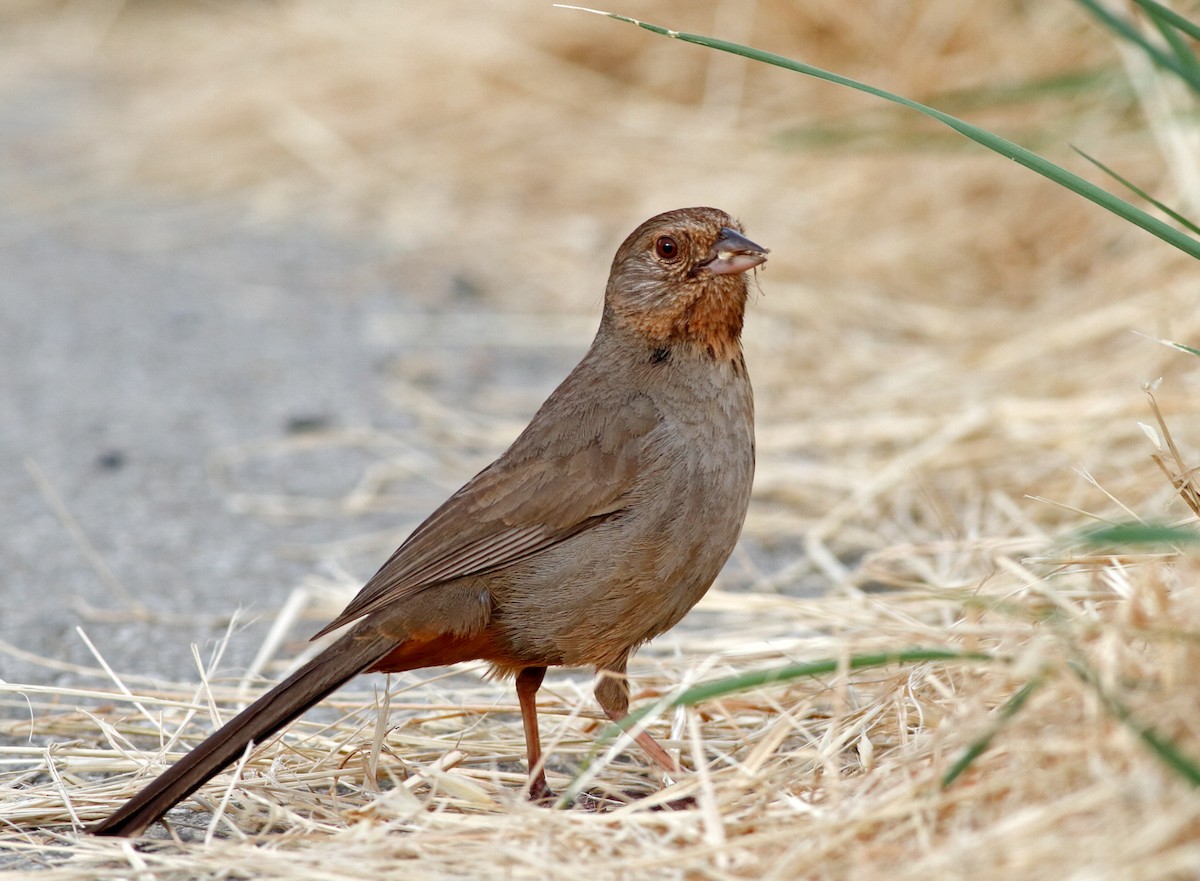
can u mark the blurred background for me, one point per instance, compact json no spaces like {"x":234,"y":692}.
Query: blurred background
{"x":275,"y":278}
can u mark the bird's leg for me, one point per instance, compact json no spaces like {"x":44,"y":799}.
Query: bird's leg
{"x":612,"y":693}
{"x":529,"y":681}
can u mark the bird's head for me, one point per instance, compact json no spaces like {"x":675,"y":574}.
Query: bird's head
{"x":679,"y":280}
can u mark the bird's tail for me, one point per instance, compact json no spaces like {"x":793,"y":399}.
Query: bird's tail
{"x":353,"y":653}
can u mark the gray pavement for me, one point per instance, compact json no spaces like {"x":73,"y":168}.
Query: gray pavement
{"x":139,"y":340}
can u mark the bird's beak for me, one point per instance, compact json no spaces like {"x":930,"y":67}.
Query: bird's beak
{"x":734,"y":253}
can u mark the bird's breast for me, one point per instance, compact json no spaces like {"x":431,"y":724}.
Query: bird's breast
{"x":602,"y":593}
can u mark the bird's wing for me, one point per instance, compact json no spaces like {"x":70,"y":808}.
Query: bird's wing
{"x":569,"y":471}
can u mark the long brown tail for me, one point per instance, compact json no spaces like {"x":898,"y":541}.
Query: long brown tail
{"x":353,"y":653}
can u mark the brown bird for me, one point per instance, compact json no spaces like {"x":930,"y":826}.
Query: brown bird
{"x":598,"y":529}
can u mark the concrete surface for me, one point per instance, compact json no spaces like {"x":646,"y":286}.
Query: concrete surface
{"x":139,"y":340}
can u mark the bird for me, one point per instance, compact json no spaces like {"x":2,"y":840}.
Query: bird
{"x":598,"y":529}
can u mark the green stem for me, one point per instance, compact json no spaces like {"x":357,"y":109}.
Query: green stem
{"x":994,"y":142}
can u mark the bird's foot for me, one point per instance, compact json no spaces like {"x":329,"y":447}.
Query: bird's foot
{"x":540,"y":793}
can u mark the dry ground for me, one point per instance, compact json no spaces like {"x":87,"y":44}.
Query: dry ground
{"x":949,"y":356}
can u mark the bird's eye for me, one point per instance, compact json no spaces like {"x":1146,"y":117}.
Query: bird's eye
{"x":666,"y":248}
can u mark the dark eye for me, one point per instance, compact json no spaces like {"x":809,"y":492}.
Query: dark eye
{"x":666,"y":248}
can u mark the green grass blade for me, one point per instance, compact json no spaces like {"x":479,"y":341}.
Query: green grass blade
{"x":1166,"y":751}
{"x":1129,"y":32}
{"x":1071,"y":83}
{"x":757,"y":679}
{"x":1010,"y":708}
{"x":1124,"y":535}
{"x":718,"y":688}
{"x":994,"y":142}
{"x":1171,"y":17}
{"x":706,"y":691}
{"x":1174,"y":215}
{"x":1184,"y":56}
{"x":1183,"y":347}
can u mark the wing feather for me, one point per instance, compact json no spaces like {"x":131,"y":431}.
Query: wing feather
{"x":516,"y":507}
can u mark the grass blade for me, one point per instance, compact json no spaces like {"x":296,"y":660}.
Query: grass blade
{"x":1171,"y":17}
{"x":734,"y":684}
{"x":1129,"y":32}
{"x":706,"y":691}
{"x":1137,"y":534}
{"x":1182,"y":49}
{"x":718,"y":688}
{"x":977,"y":748}
{"x":1163,"y":748}
{"x":993,"y":142}
{"x":1183,"y":347}
{"x":1136,"y":190}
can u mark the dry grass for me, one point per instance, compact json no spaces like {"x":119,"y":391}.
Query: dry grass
{"x":948,"y":381}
